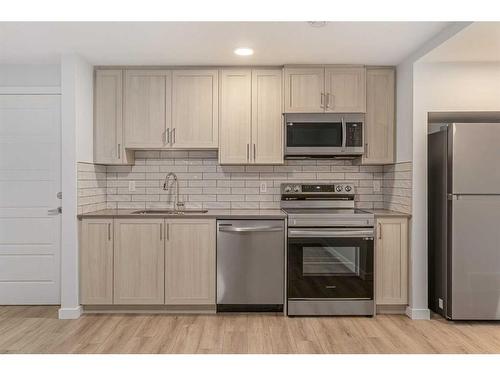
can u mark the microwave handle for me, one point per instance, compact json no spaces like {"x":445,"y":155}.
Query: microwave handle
{"x":344,"y":133}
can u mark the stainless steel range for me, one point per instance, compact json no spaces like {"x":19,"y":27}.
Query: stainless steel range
{"x":330,"y":251}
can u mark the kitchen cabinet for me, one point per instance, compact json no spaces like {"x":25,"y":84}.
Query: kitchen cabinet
{"x":379,"y":119}
{"x":190,"y":262}
{"x":96,"y":262}
{"x":251,"y":125}
{"x":108,"y":119}
{"x":345,"y":89}
{"x":304,"y":89}
{"x":391,"y":261}
{"x":147,"y":108}
{"x":317,"y":89}
{"x":139,"y":261}
{"x":195,"y":109}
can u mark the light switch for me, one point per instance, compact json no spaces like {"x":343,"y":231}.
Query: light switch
{"x":263,"y":187}
{"x":131,"y":186}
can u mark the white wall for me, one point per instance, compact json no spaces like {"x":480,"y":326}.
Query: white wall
{"x":25,"y":75}
{"x":76,"y":88}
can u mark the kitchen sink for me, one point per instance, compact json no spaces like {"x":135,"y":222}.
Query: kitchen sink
{"x":169,"y":212}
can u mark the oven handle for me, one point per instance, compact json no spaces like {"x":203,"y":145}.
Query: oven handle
{"x":308,"y":233}
{"x":249,"y":229}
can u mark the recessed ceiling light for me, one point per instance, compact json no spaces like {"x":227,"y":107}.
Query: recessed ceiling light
{"x":317,"y":23}
{"x":243,"y":51}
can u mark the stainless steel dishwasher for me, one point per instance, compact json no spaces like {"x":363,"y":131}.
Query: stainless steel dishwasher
{"x":250,"y":265}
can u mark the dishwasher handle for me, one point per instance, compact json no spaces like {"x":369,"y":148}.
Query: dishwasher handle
{"x":230,"y":228}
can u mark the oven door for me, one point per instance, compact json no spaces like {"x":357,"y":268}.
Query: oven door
{"x":330,"y":263}
{"x":314,"y":138}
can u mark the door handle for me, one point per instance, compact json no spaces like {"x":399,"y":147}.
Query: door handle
{"x":55,"y":211}
{"x":249,"y":229}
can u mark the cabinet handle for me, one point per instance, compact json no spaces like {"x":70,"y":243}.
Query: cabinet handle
{"x":167,"y":136}
{"x":322,"y":100}
{"x":119,"y":151}
{"x":161,"y":231}
{"x":248,"y":152}
{"x":379,"y":231}
{"x":366,"y":149}
{"x":109,"y":231}
{"x":173,"y":135}
{"x":254,"y":152}
{"x":168,"y":229}
{"x":328,"y":100}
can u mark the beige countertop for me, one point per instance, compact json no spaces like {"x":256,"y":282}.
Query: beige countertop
{"x":388,"y":213}
{"x":219,"y":214}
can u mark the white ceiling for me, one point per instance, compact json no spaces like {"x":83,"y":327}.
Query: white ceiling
{"x":212,"y":43}
{"x":479,"y":42}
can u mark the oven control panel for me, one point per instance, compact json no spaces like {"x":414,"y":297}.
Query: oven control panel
{"x":320,"y":189}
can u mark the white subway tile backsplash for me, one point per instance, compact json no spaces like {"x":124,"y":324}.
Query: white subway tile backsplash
{"x":203,"y":183}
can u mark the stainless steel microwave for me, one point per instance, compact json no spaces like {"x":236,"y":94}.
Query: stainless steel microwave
{"x":323,"y":134}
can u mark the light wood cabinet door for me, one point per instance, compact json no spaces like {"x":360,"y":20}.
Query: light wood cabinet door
{"x":391,"y":249}
{"x":235,"y":116}
{"x":96,"y":262}
{"x":267,"y":117}
{"x":345,"y":89}
{"x":195,"y":109}
{"x":304,"y":89}
{"x":190,"y":262}
{"x":139,"y":261}
{"x":379,"y":119}
{"x":147,"y":108}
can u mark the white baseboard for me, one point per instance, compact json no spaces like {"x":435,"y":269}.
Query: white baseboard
{"x":70,"y":312}
{"x":418,"y":314}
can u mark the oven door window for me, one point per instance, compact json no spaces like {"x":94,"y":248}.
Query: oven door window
{"x":330,"y":268}
{"x":308,"y":134}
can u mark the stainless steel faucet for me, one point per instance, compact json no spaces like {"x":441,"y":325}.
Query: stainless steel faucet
{"x":179,"y":206}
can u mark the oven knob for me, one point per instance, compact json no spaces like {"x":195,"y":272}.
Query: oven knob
{"x":288,"y":189}
{"x":296,"y":189}
{"x":348,"y":188}
{"x":338,"y":188}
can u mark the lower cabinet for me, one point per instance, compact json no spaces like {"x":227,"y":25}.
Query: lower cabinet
{"x":391,"y":259}
{"x":190,"y":262}
{"x":139,"y":266}
{"x":147,"y":261}
{"x":96,"y":262}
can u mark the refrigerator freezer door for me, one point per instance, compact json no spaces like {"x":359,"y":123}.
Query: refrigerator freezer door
{"x":475,"y":258}
{"x":476,"y":154}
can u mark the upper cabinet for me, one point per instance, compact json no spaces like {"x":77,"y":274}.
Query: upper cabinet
{"x":108,"y":118}
{"x":379,"y":120}
{"x":325,"y":89}
{"x":304,"y":89}
{"x":147,"y":108}
{"x":195,"y":109}
{"x":345,"y":89}
{"x":251,"y":125}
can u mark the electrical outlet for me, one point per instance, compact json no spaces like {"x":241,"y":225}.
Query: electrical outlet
{"x":131,"y":186}
{"x":263,"y":187}
{"x":376,"y":186}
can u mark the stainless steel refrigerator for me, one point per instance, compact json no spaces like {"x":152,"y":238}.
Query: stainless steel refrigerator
{"x":464,"y":221}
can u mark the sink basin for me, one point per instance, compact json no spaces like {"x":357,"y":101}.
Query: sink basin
{"x":169,"y":212}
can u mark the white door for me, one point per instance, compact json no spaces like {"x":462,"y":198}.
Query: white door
{"x":30,"y":166}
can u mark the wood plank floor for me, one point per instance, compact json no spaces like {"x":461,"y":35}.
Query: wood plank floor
{"x":37,"y":330}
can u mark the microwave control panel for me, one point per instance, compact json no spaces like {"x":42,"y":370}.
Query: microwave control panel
{"x":354,"y":134}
